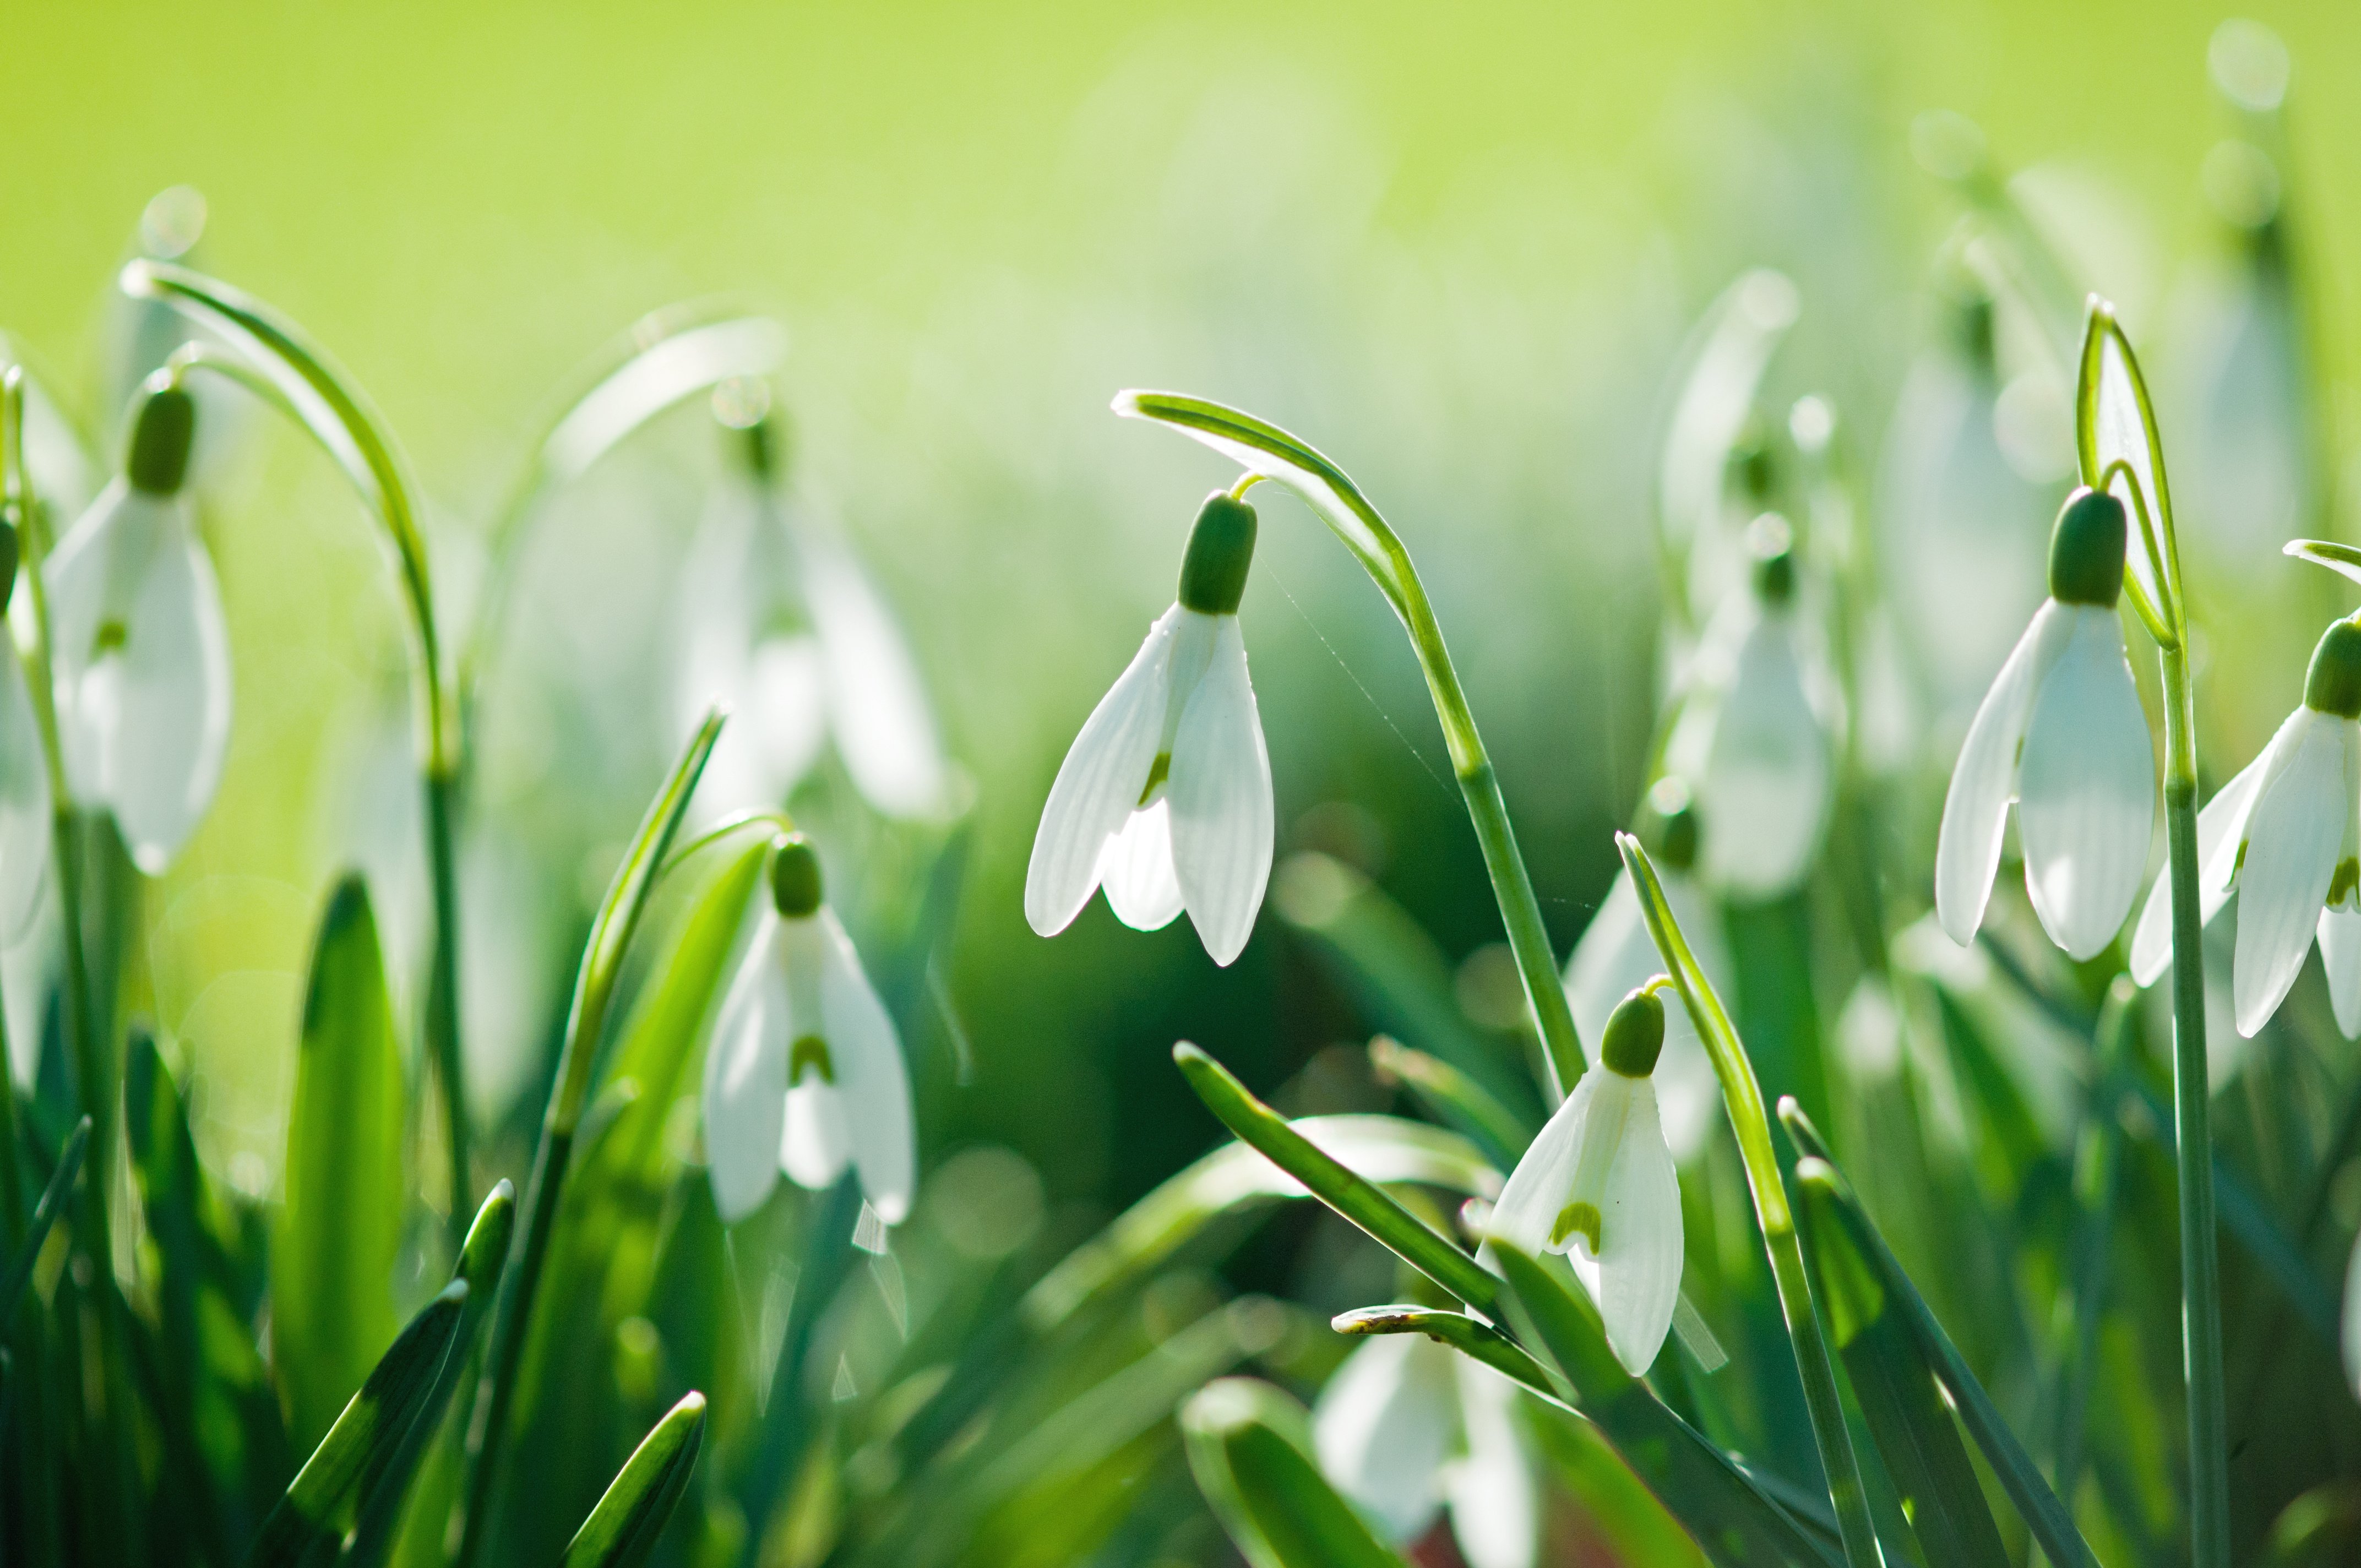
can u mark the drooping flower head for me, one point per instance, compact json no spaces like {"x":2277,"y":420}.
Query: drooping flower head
{"x":2062,"y":734}
{"x":804,"y":1070}
{"x":25,"y":802}
{"x":1165,"y":797}
{"x":1598,"y":1185}
{"x":2285,"y":834}
{"x":142,"y":651}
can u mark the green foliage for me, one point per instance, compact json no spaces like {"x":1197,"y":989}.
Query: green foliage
{"x":622,"y":1529}
{"x":1247,"y":1445}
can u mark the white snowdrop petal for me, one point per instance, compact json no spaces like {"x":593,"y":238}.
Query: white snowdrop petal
{"x":1614,"y":956}
{"x":745,"y":1081}
{"x":2086,"y":788}
{"x":1764,"y":792}
{"x":1536,"y":1191}
{"x":1136,"y":869}
{"x":1099,"y":785}
{"x":1495,"y":1503}
{"x":781,"y":714}
{"x":876,"y":701}
{"x":1639,"y":1270}
{"x":872,"y":1082}
{"x":2294,"y":835}
{"x":1383,"y":1427}
{"x":25,"y":804}
{"x":1221,"y":800}
{"x":78,"y":579}
{"x":175,"y":700}
{"x":1983,"y":780}
{"x":2339,"y":933}
{"x":2220,"y":826}
{"x":814,"y":1144}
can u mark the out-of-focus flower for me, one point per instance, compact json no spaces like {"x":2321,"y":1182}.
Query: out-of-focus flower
{"x":2062,"y":734}
{"x":1408,"y":1427}
{"x":779,"y":621}
{"x":24,"y":800}
{"x":1165,"y":797}
{"x":142,"y":652}
{"x":1756,"y":738}
{"x":2286,"y":834}
{"x":1598,"y":1184}
{"x":1616,"y":956}
{"x":805,"y":1071}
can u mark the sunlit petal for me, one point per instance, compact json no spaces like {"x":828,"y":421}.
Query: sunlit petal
{"x":1636,"y":1278}
{"x":1135,"y":869}
{"x":1495,"y":1503}
{"x":2340,"y":956}
{"x":814,"y":1144}
{"x":1764,"y":790}
{"x":1099,"y":786}
{"x":2220,"y":827}
{"x":2086,"y":788}
{"x":2294,"y":835}
{"x":1383,"y":1427}
{"x":1615,"y":957}
{"x":871,"y":1083}
{"x":1221,"y":801}
{"x":1529,"y":1205}
{"x":1983,"y":780}
{"x":745,"y":1081}
{"x":876,"y":701}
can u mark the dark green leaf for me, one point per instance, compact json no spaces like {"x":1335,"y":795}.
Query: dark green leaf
{"x":45,"y":1215}
{"x":1247,"y":1445}
{"x":622,"y":1529}
{"x":1469,"y":1336}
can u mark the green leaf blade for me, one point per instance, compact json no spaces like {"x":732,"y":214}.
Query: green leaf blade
{"x":623,"y":1528}
{"x":1249,"y":1447}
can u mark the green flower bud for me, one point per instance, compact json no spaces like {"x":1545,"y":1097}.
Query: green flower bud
{"x":2086,"y":550}
{"x":1635,"y":1034}
{"x":794,"y":877}
{"x":1220,"y":548}
{"x":2332,"y":684}
{"x":162,"y":431}
{"x":1669,"y":825}
{"x":1772,"y":543}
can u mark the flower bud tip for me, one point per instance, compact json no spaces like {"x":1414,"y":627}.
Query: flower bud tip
{"x":794,"y":878}
{"x":1634,"y":1034}
{"x":162,"y":431}
{"x":1220,"y":548}
{"x":2332,"y":684}
{"x":2086,"y":550}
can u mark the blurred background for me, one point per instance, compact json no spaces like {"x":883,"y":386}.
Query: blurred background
{"x":1458,"y":248}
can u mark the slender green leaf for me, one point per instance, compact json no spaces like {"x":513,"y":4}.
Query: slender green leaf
{"x":1636,"y":1526}
{"x":340,"y":1230}
{"x":1248,"y":1446}
{"x":1456,"y":1098}
{"x":622,"y":1529}
{"x":2051,"y":1524}
{"x":317,"y":1507}
{"x":1897,"y":1390}
{"x":45,"y":1215}
{"x":1470,"y":1336}
{"x":1334,"y":1182}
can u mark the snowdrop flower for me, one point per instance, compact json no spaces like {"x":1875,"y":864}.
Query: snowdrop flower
{"x":25,"y":802}
{"x":1616,"y":956}
{"x":2286,"y":834}
{"x":1165,"y":798}
{"x":804,"y":1072}
{"x":1598,"y":1184}
{"x":1408,"y":1427}
{"x":1755,"y":734}
{"x":142,"y":652}
{"x":2061,"y":732}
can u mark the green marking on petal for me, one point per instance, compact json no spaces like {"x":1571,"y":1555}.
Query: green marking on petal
{"x":2342,"y":885}
{"x":1575,"y":1217}
{"x":112,"y":637}
{"x":809,"y":1051}
{"x":1156,"y":774}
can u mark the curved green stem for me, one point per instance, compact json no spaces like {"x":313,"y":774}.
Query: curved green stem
{"x":1743,"y":1097}
{"x":1332,"y":494}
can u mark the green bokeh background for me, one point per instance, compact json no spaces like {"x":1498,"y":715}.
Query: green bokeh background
{"x":1458,"y":247}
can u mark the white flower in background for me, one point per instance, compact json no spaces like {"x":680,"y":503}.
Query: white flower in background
{"x":779,"y":621}
{"x":1756,"y":734}
{"x":1598,"y":1184}
{"x":2062,"y":734}
{"x":142,"y":653}
{"x":1616,"y":956}
{"x":2286,"y":834}
{"x":804,"y":1070}
{"x":1408,"y":1427}
{"x":1165,"y":797}
{"x":24,"y":800}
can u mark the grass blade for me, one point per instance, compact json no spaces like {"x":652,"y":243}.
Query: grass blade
{"x":315,"y":1509}
{"x":1249,"y":1447}
{"x":622,"y":1529}
{"x":45,"y":1215}
{"x":1455,"y":1097}
{"x":1470,"y":1336}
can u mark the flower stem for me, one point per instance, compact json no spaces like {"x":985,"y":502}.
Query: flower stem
{"x":1743,"y":1096}
{"x":443,"y":988}
{"x":2200,"y":1266}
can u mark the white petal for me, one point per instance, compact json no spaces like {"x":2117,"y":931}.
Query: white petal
{"x":2220,"y":827}
{"x":2340,"y":958}
{"x":2292,"y":838}
{"x":1529,"y":1205}
{"x":2086,"y":788}
{"x":778,"y":722}
{"x":745,"y":1081}
{"x":1221,"y":800}
{"x":1636,"y":1278}
{"x":871,"y":1080}
{"x":1983,"y":780}
{"x":1614,"y":956}
{"x":25,"y":802}
{"x":877,"y":703}
{"x":1383,"y":1426}
{"x":1098,"y":785}
{"x":1495,"y":1504}
{"x":1135,"y":869}
{"x":1764,"y":792}
{"x":814,"y":1145}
